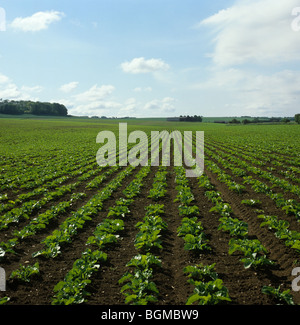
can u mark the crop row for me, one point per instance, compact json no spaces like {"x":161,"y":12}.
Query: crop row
{"x":139,"y":289}
{"x":208,"y":287}
{"x":290,"y":206}
{"x":42,"y":220}
{"x":15,"y":215}
{"x":255,"y":254}
{"x":284,"y":165}
{"x":77,"y":220}
{"x":72,"y":289}
{"x":42,"y":171}
{"x":229,"y":161}
{"x":138,"y":286}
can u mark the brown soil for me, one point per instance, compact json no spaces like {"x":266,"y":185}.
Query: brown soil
{"x":244,"y":286}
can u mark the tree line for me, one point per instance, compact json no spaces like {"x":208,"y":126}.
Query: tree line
{"x":188,"y":118}
{"x":21,"y":107}
{"x":271,"y":119}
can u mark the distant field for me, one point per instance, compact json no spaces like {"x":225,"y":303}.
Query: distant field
{"x":72,"y":232}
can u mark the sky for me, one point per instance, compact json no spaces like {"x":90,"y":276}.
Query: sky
{"x":153,"y":58}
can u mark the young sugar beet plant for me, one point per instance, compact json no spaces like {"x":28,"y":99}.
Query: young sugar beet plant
{"x":255,"y":253}
{"x":69,"y":228}
{"x":234,"y":226}
{"x":209,"y":289}
{"x":39,"y":223}
{"x":150,"y":229}
{"x":72,"y":290}
{"x":281,"y":297}
{"x":17,"y":214}
{"x":139,"y":289}
{"x":191,"y":230}
{"x":184,"y":195}
{"x":25,"y":273}
{"x":282,"y":231}
{"x":193,"y":234}
{"x":121,"y":208}
{"x":158,"y":189}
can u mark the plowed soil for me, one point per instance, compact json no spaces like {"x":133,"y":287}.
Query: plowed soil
{"x":244,"y":285}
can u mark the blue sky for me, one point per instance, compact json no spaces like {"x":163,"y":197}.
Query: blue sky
{"x":149,"y":58}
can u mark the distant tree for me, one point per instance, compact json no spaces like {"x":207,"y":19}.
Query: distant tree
{"x":188,"y":118}
{"x":297,"y":118}
{"x":274,"y":119}
{"x":29,"y":107}
{"x":246,"y":121}
{"x":235,"y":121}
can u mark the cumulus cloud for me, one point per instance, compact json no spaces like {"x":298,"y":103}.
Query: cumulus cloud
{"x":95,"y":93}
{"x":94,"y":101}
{"x":38,"y":21}
{"x":165,"y":105}
{"x":9,"y":90}
{"x":69,"y":86}
{"x":141,"y":89}
{"x":256,"y":93}
{"x":277,"y":92}
{"x":254,"y":49}
{"x":34,"y":89}
{"x":3,"y":79}
{"x":141,"y":65}
{"x":129,"y":108}
{"x":257,"y":31}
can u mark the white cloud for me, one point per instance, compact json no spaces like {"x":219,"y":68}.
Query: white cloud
{"x":9,"y":90}
{"x":141,"y":89}
{"x":277,"y":92}
{"x":34,"y":89}
{"x":95,"y":108}
{"x":91,"y":102}
{"x":3,"y":79}
{"x":38,"y":21}
{"x":141,"y":65}
{"x":257,"y":31}
{"x":254,"y":50}
{"x":165,"y":105}
{"x":95,"y":93}
{"x":255,"y":93}
{"x":69,"y":86}
{"x":129,"y":108}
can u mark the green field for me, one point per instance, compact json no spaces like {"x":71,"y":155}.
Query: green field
{"x":241,"y":217}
